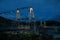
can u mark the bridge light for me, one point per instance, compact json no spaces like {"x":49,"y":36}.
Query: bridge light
{"x":17,"y":10}
{"x":31,"y":9}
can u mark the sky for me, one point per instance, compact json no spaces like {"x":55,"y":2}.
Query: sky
{"x":43,"y":9}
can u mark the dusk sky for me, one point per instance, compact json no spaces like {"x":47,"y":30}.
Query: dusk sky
{"x":43,"y":9}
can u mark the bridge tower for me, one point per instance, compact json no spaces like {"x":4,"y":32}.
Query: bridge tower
{"x":32,"y":17}
{"x":31,"y":13}
{"x":18,"y":17}
{"x":17,"y":14}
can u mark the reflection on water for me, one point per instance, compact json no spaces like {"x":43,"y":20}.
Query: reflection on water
{"x":15,"y":33}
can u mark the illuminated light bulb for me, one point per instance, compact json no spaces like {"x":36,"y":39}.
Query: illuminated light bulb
{"x":17,"y":10}
{"x":31,"y":9}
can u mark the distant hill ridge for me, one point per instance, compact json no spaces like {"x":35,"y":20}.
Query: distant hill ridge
{"x":7,"y":22}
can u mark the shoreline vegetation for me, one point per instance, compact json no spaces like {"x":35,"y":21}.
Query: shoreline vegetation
{"x":23,"y":36}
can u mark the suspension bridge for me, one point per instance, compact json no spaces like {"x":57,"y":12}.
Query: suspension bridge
{"x":28,"y":27}
{"x":30,"y":23}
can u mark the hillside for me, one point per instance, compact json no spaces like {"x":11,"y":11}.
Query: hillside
{"x":7,"y":22}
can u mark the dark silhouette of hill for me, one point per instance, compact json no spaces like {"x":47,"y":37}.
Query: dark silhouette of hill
{"x":56,"y":18}
{"x":7,"y":22}
{"x":52,"y":23}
